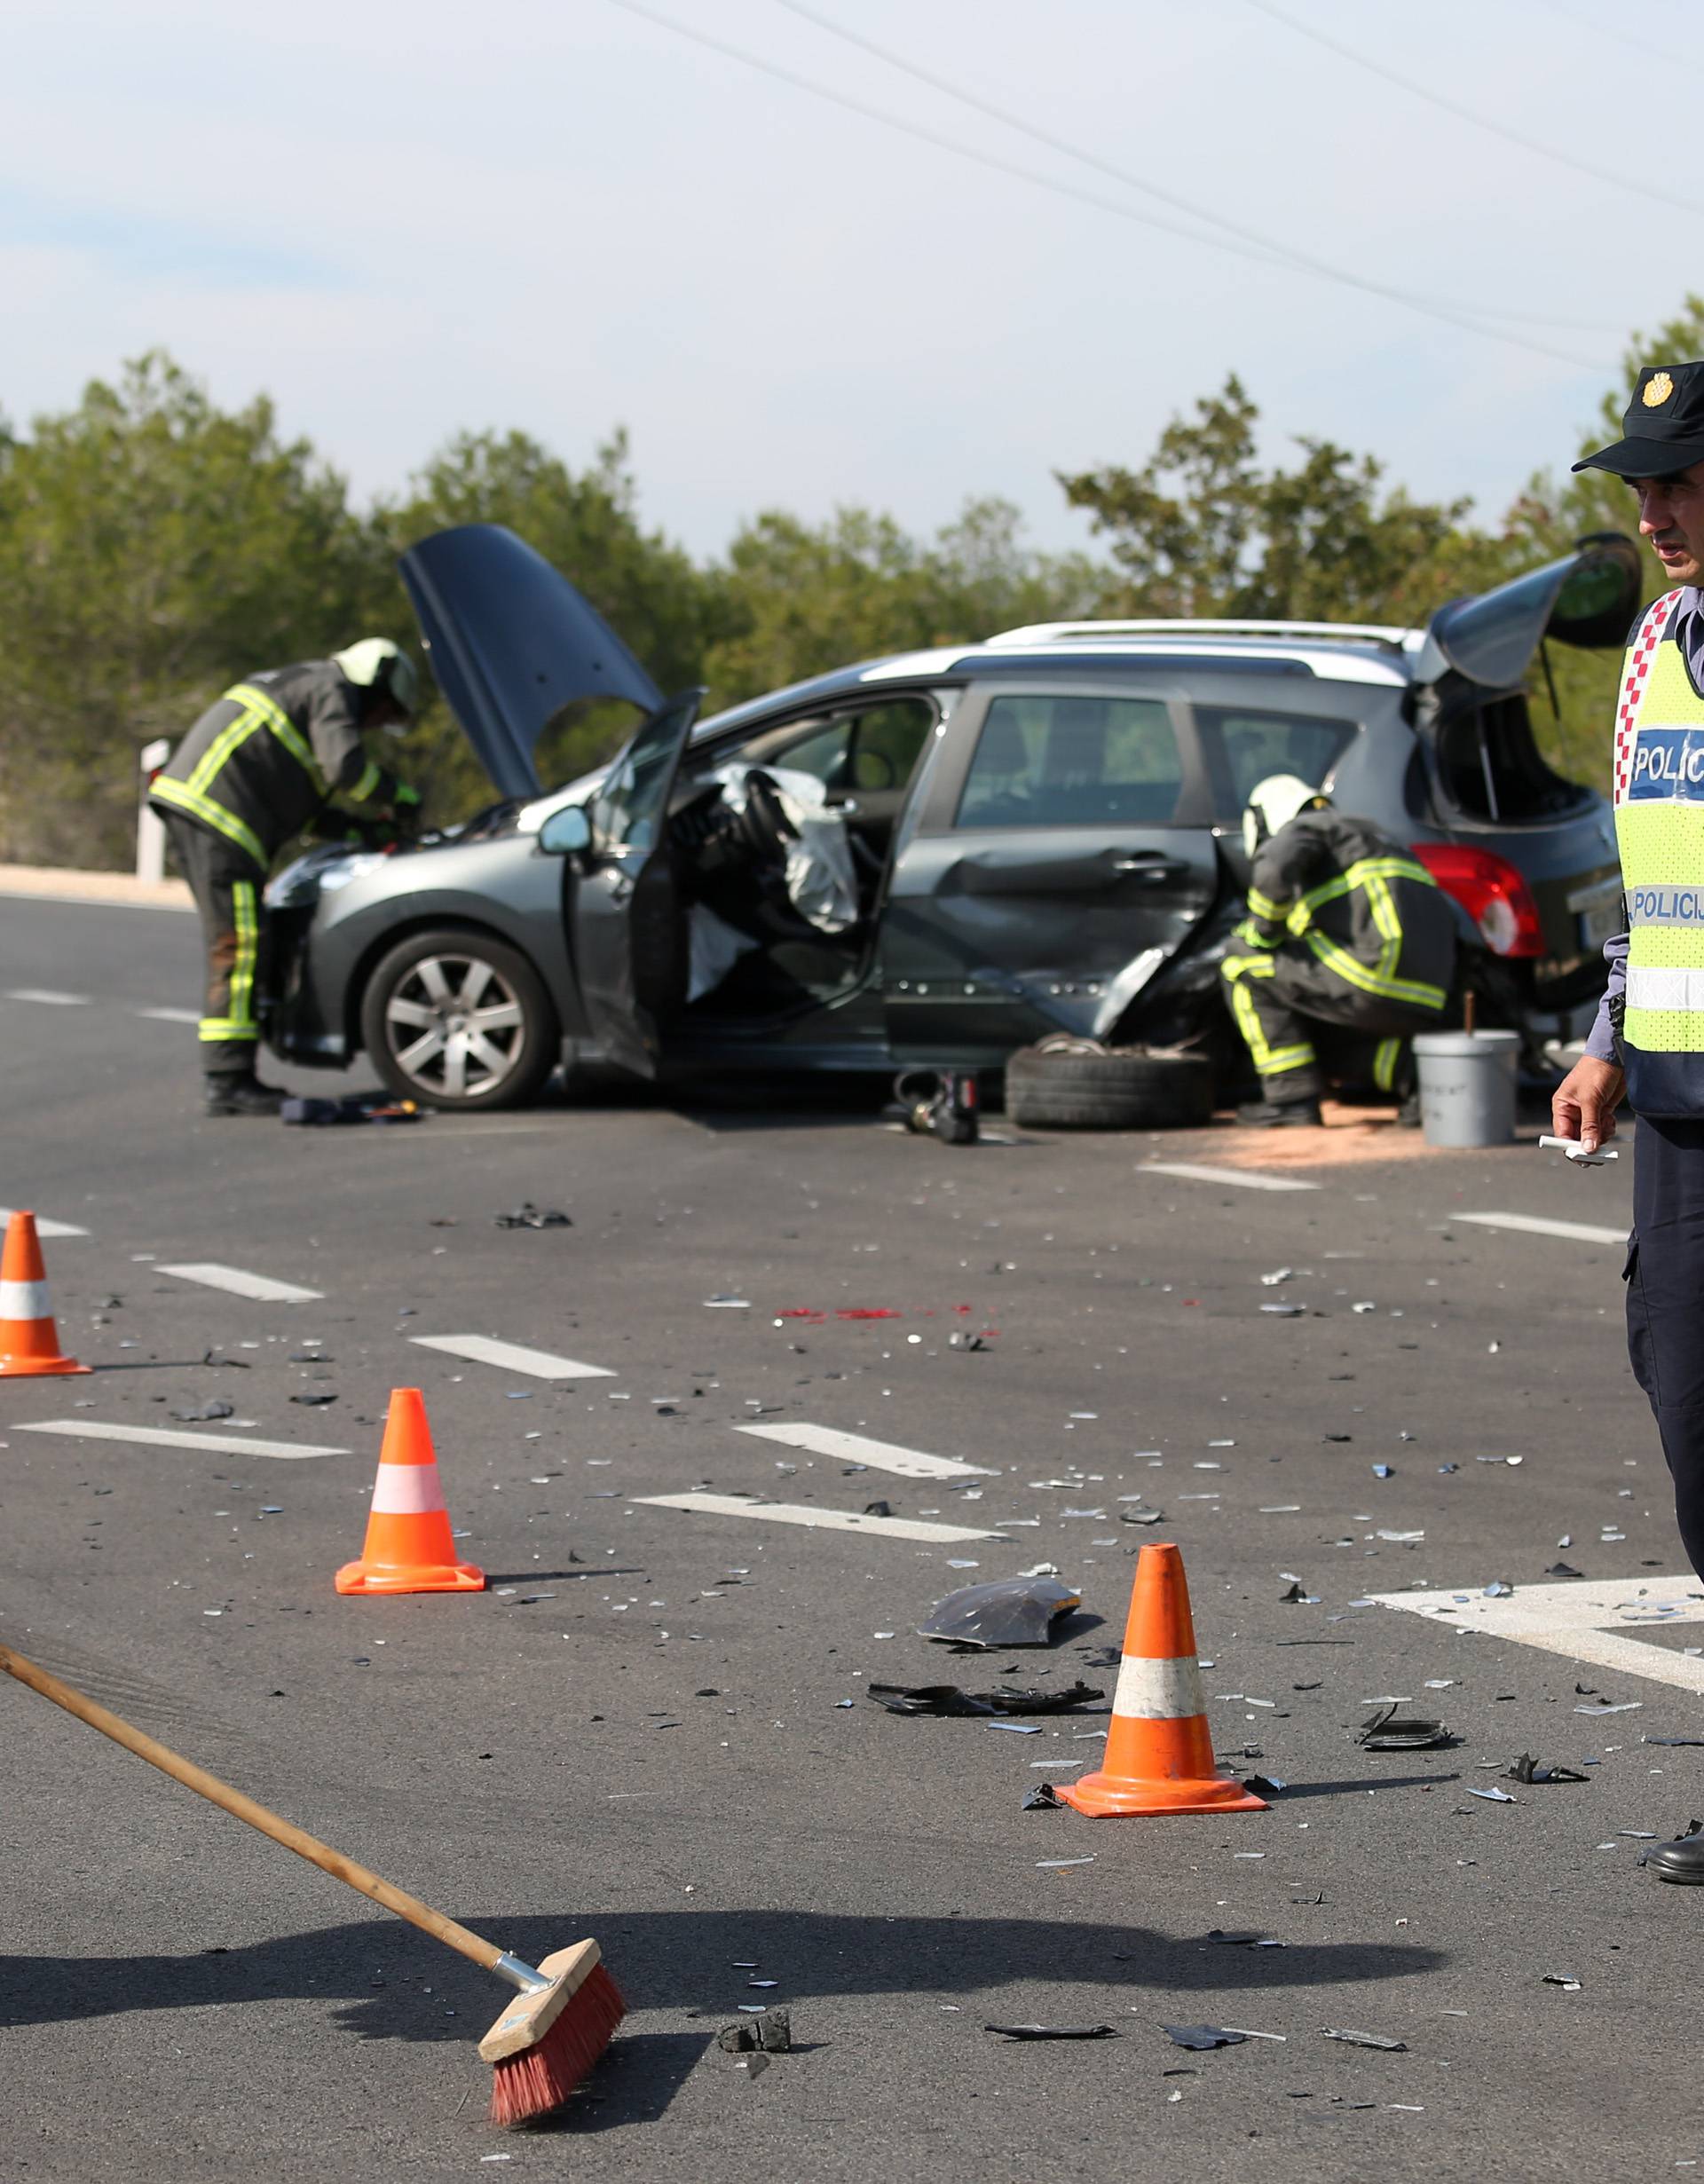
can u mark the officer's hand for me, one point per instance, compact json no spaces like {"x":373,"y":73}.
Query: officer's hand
{"x":1583,"y":1105}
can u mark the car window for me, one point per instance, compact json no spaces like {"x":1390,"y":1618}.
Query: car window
{"x":1243,"y":747}
{"x":821,"y":751}
{"x":874,"y":749}
{"x":886,"y":742}
{"x":1073,"y":762}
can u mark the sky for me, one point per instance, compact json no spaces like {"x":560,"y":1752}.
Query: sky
{"x":566,"y":216}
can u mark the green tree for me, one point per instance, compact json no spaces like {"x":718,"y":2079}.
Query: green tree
{"x":1576,"y":723}
{"x":667,"y":610}
{"x":1202,"y":530}
{"x":803,"y":598}
{"x":152,"y":547}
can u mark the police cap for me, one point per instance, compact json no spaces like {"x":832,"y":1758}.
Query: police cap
{"x":1663,"y":425}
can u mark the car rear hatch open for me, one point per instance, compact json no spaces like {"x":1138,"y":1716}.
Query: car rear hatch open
{"x":512,"y":644}
{"x":1531,"y":855}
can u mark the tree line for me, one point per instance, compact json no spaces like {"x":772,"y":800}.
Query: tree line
{"x":154,"y":548}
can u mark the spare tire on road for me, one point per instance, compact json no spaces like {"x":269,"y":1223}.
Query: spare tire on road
{"x":1066,"y":1084}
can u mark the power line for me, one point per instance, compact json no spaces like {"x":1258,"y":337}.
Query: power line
{"x":1259,"y":253}
{"x":1644,"y":191}
{"x":1287,"y":252}
{"x":1646,"y":53}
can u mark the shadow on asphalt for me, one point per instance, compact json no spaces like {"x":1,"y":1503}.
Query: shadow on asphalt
{"x":494,"y":1578}
{"x":1361,"y":1785}
{"x":373,"y":1971}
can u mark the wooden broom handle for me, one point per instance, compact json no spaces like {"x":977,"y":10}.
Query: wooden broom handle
{"x":241,"y":1808}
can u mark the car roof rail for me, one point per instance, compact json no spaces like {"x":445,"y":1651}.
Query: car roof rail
{"x":1338,"y":632}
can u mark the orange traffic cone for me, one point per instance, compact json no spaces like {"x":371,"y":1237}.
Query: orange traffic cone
{"x":29,"y":1342}
{"x":1159,"y":1749}
{"x":409,"y":1545}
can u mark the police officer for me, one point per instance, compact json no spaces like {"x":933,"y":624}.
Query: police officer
{"x":1649,"y":1038}
{"x":249,"y":775}
{"x":1344,"y":928}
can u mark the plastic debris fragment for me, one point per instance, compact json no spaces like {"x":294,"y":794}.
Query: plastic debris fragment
{"x":1055,"y":2032}
{"x":1526,"y":1769}
{"x":1005,"y":1699}
{"x":1203,"y":2036}
{"x":1386,"y":1730}
{"x":1014,"y":1611}
{"x":1365,"y":2039}
{"x":528,"y":1216}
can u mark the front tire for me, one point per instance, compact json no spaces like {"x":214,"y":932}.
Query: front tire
{"x":452,"y":1019}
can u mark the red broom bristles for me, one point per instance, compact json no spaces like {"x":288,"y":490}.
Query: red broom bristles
{"x":540,"y":2078}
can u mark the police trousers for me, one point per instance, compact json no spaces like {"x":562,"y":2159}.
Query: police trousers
{"x":1274,"y":997}
{"x":1665,"y":1305}
{"x":226,"y":884}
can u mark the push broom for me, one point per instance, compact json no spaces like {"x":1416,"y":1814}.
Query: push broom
{"x":542,"y":2044}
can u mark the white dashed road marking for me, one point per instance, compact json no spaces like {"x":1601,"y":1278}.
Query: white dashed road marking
{"x":827,"y":1440}
{"x":153,"y":1437}
{"x":262,"y":1288}
{"x":47,"y":997}
{"x":1536,"y":1225}
{"x":1583,"y":1620}
{"x":44,"y":1227}
{"x":169,"y":1016}
{"x":815,"y":1520}
{"x":1246,"y":1178}
{"x":513,"y":1357}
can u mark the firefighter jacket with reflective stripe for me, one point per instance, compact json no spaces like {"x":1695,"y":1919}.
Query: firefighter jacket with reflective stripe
{"x":1367,"y":911}
{"x":261,"y":762}
{"x":1659,"y":829}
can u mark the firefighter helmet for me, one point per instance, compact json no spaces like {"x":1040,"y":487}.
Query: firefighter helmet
{"x":1272,"y":803}
{"x":374,"y":664}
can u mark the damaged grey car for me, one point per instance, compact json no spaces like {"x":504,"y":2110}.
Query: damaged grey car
{"x":929,"y":860}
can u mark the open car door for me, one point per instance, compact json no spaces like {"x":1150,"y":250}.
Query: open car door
{"x":624,"y":919}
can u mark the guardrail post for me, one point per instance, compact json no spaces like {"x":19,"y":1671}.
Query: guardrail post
{"x":150,"y":832}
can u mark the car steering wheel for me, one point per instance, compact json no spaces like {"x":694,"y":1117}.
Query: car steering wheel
{"x":764,"y":827}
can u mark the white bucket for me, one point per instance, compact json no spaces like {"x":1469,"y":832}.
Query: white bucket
{"x":1467,"y":1086}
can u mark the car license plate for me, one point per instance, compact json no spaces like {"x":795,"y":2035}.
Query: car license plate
{"x":1597,"y":924}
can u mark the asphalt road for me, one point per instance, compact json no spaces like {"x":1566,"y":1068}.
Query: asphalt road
{"x":640,"y":1732}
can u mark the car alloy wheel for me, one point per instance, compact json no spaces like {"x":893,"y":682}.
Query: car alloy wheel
{"x":455,"y":1028}
{"x":454,"y":1018}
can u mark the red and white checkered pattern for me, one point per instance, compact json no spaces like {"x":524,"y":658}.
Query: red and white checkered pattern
{"x":1639,"y":665}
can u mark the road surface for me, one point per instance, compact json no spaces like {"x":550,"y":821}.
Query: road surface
{"x":653,"y":1727}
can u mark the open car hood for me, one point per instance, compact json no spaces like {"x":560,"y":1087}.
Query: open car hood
{"x":1589,"y":597}
{"x":511,"y":643}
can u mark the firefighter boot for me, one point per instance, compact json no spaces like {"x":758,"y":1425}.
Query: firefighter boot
{"x":240,"y":1092}
{"x":1281,"y":1115}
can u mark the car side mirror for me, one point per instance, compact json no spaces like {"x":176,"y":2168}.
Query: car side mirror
{"x":567,"y":833}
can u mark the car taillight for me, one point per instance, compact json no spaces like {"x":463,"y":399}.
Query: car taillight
{"x":1494,"y":896}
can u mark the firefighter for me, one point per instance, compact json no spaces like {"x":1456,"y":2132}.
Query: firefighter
{"x":1344,"y":928}
{"x":250,"y":775}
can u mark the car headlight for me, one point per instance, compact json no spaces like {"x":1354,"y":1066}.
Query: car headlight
{"x":346,"y":869}
{"x":302,"y":883}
